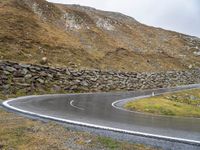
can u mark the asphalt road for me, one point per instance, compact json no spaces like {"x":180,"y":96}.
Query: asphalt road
{"x":96,"y":110}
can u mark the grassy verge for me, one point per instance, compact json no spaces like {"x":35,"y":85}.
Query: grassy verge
{"x":21,"y":133}
{"x":112,"y":144}
{"x":184,"y":103}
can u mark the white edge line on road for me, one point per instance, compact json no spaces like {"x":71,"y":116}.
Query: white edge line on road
{"x":128,"y":99}
{"x":71,"y":103}
{"x":186,"y":141}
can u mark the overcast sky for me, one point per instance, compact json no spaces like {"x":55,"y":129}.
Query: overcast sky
{"x":178,"y":15}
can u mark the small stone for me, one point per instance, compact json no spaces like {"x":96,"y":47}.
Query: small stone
{"x":93,"y":79}
{"x":58,"y":74}
{"x":74,"y":87}
{"x":18,"y":74}
{"x":77,"y":81}
{"x":44,"y":61}
{"x":56,"y":88}
{"x":197,"y":53}
{"x":23,"y":84}
{"x":28,"y":76}
{"x":40,"y":80}
{"x":24,"y":71}
{"x":50,"y":76}
{"x":6,"y":72}
{"x":43,"y":74}
{"x":88,"y":141}
{"x":6,"y":87}
{"x":24,"y":65}
{"x":10,"y":69}
{"x":192,"y":97}
{"x":84,"y":83}
{"x":190,"y":66}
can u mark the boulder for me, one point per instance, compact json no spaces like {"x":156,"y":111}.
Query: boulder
{"x":44,"y":61}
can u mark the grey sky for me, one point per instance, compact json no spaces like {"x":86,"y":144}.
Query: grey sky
{"x":178,"y":15}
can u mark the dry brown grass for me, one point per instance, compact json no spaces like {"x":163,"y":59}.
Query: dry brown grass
{"x":27,"y":37}
{"x":25,"y":134}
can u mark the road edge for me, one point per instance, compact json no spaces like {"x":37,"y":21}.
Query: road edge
{"x":140,"y":134}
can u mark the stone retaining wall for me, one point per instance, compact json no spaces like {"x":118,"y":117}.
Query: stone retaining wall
{"x":15,"y":77}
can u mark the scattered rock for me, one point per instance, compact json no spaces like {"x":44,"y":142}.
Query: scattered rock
{"x":24,"y":65}
{"x":88,"y":141}
{"x":56,"y":88}
{"x":6,"y":72}
{"x":197,"y":53}
{"x":28,"y":76}
{"x":190,"y":66}
{"x":41,"y":81}
{"x":44,"y":61}
{"x":23,"y":84}
{"x":6,"y":87}
{"x":24,"y":71}
{"x":84,"y":83}
{"x":10,"y":69}
{"x":18,"y":74}
{"x":105,"y":24}
{"x":192,"y":97}
{"x":72,"y":21}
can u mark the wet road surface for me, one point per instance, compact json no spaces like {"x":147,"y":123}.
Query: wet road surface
{"x":97,"y":109}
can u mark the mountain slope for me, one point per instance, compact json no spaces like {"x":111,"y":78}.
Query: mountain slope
{"x":72,"y":35}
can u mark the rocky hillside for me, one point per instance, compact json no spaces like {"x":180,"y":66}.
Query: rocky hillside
{"x":83,"y":37}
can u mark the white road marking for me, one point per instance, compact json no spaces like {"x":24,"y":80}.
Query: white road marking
{"x":128,"y":99}
{"x":71,"y":103}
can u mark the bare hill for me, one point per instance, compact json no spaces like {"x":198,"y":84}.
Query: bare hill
{"x":73,"y":35}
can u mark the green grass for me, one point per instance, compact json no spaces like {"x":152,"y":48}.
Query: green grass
{"x":185,"y":104}
{"x":109,"y":143}
{"x":112,"y":144}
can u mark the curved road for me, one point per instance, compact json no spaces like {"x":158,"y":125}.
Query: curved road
{"x":96,"y":110}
